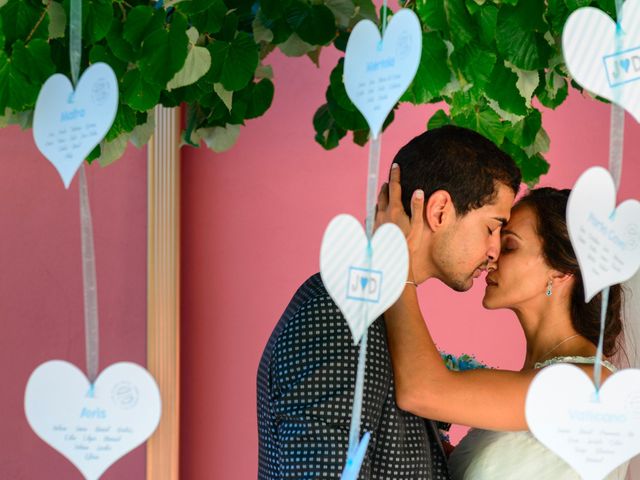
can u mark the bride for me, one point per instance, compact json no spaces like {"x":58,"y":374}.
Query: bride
{"x":538,"y":278}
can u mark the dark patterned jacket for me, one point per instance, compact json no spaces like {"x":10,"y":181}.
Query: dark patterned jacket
{"x":306,"y":382}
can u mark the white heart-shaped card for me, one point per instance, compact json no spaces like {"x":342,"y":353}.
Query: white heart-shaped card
{"x":92,"y":427}
{"x":606,"y":239}
{"x":597,"y":62}
{"x":378,"y":71}
{"x":68,"y":124}
{"x":593,"y":435}
{"x":364,"y":280}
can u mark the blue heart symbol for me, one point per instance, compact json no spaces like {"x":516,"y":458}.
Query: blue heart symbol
{"x":625,"y":64}
{"x":363,"y":282}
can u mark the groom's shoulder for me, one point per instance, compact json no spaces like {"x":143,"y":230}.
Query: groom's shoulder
{"x":312,"y":293}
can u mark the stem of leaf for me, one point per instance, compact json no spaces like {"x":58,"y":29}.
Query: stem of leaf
{"x":33,"y":31}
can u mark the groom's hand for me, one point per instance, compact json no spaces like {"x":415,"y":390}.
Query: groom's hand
{"x":390,"y":210}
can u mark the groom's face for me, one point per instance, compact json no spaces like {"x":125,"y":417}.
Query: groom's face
{"x":469,"y":243}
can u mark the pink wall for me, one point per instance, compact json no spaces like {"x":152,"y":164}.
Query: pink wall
{"x":41,"y":307}
{"x":253,"y":220}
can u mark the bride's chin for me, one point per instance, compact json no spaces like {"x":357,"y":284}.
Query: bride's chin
{"x":488,"y":302}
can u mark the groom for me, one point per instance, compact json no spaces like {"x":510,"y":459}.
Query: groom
{"x":307,"y":373}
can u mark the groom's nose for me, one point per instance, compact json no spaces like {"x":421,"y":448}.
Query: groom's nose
{"x":493,"y":252}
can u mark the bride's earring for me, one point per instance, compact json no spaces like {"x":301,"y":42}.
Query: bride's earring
{"x":549,"y":285}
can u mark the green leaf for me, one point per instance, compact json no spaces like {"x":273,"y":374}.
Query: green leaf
{"x":33,"y":60}
{"x":438,"y":119}
{"x":575,"y":4}
{"x":261,"y":99}
{"x":195,"y":67}
{"x":206,"y":15}
{"x":502,"y":88}
{"x":484,"y":121}
{"x":121,"y":49}
{"x":520,"y":36}
{"x":164,"y":52}
{"x":475,"y":63}
{"x":525,"y":131}
{"x":141,"y":22}
{"x":15,"y":90}
{"x":338,"y":90}
{"x":487,"y":21}
{"x":553,"y":90}
{"x":365,"y":10}
{"x":433,"y":14}
{"x":138,"y":93}
{"x":343,"y":11}
{"x":125,"y":121}
{"x":260,"y":32}
{"x":274,"y":9}
{"x":328,"y":132}
{"x":142,"y":133}
{"x":101,"y":53}
{"x":314,"y":24}
{"x":346,"y":119}
{"x":360,"y":137}
{"x":57,"y":20}
{"x":219,"y":139}
{"x":294,"y":46}
{"x":233,"y":64}
{"x":225,"y":95}
{"x":19,"y":17}
{"x":278,"y":27}
{"x":113,"y":150}
{"x":433,"y":71}
{"x":460,"y":23}
{"x":530,"y":167}
{"x":527,"y":83}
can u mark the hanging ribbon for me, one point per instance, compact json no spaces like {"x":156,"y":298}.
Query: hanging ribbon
{"x":89,"y":283}
{"x":75,"y":39}
{"x":616,"y":150}
{"x":358,"y":447}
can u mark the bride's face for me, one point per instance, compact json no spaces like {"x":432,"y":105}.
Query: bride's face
{"x":521,"y":274}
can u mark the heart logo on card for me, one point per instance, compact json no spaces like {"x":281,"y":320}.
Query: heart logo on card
{"x":606,"y":239}
{"x":364,"y":280}
{"x":378,"y":71}
{"x":596,"y":60}
{"x":68,"y":124}
{"x":593,"y":434}
{"x":92,"y":427}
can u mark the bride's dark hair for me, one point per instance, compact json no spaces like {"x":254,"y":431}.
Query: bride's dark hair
{"x":550,"y":207}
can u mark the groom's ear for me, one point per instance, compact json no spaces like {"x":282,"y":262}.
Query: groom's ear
{"x":439,"y":210}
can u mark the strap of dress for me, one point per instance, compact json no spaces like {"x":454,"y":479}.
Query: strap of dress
{"x":579,"y":360}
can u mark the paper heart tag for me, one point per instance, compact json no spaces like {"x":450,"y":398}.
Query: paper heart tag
{"x":92,"y":429}
{"x":595,"y":61}
{"x":363,"y":289}
{"x":377,"y":72}
{"x":68,"y":124}
{"x":594,"y":436}
{"x":606,"y":239}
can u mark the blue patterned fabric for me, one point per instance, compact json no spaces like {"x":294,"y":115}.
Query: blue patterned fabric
{"x":306,"y":381}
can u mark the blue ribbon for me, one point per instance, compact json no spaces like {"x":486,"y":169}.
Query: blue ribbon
{"x":616,"y":149}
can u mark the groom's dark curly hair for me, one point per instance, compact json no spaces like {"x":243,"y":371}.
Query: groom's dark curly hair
{"x":458,"y":160}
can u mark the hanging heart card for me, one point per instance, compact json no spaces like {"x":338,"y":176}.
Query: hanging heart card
{"x":364,"y":280}
{"x":377,"y":71}
{"x":68,"y":123}
{"x":603,"y":60}
{"x":92,"y":425}
{"x":606,"y":239}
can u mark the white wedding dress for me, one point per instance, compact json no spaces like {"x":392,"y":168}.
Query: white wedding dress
{"x":489,"y":455}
